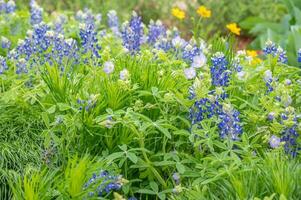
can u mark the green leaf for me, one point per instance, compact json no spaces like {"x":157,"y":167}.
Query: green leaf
{"x":51,"y":110}
{"x":63,"y":106}
{"x":146,"y":191}
{"x":180,"y":167}
{"x":114,"y":156}
{"x":162,"y":196}
{"x":163,"y":130}
{"x":132,"y":157}
{"x":123,"y":147}
{"x":154,"y":186}
{"x":45,"y":119}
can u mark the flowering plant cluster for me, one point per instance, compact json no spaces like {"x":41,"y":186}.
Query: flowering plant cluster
{"x":178,"y":118}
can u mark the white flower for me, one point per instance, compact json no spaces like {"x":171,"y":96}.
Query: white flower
{"x":274,"y":141}
{"x":199,"y":61}
{"x":287,"y":82}
{"x":124,"y":75}
{"x":108,"y":67}
{"x":178,"y":42}
{"x":190,"y":73}
{"x":241,"y":75}
{"x":268,"y":76}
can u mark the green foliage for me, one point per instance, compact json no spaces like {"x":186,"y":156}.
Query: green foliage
{"x":286,"y":33}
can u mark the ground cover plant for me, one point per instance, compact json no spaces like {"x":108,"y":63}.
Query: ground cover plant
{"x":93,"y":107}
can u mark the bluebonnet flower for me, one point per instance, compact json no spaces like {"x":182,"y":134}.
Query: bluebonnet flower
{"x":105,"y":183}
{"x":289,"y":136}
{"x":5,"y":43}
{"x":176,"y":178}
{"x":282,"y":57}
{"x":21,"y":66}
{"x":271,"y":116}
{"x":113,"y":21}
{"x":155,"y":31}
{"x":204,"y":109}
{"x":10,"y":6}
{"x":229,"y":126}
{"x":219,"y":72}
{"x":163,"y":44}
{"x":132,"y":34}
{"x":36,"y":13}
{"x":98,"y":18}
{"x":274,"y":141}
{"x":189,"y":52}
{"x":132,"y":198}
{"x":124,"y":75}
{"x":199,"y":61}
{"x":2,"y":6}
{"x":87,"y":105}
{"x":270,"y":48}
{"x":268,"y":78}
{"x":89,"y":40}
{"x":3,"y":64}
{"x":192,"y":94}
{"x":190,"y":73}
{"x":59,"y":24}
{"x":299,"y":56}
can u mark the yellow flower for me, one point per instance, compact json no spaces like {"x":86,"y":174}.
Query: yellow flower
{"x":252,"y":53}
{"x":204,"y":12}
{"x":234,"y":28}
{"x":178,"y":13}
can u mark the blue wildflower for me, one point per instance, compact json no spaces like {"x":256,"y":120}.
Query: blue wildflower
{"x":36,"y":13}
{"x":59,"y":24}
{"x":219,"y":72}
{"x":89,"y":40}
{"x":2,"y":6}
{"x":105,"y":183}
{"x":3,"y":64}
{"x":189,"y":52}
{"x":155,"y":31}
{"x":289,"y":135}
{"x":268,"y":78}
{"x":5,"y":43}
{"x":270,"y":48}
{"x":176,"y":178}
{"x":204,"y":109}
{"x":10,"y":6}
{"x":299,"y":56}
{"x":282,"y":57}
{"x":113,"y":21}
{"x":132,"y":34}
{"x":229,"y":126}
{"x":163,"y":44}
{"x":21,"y":66}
